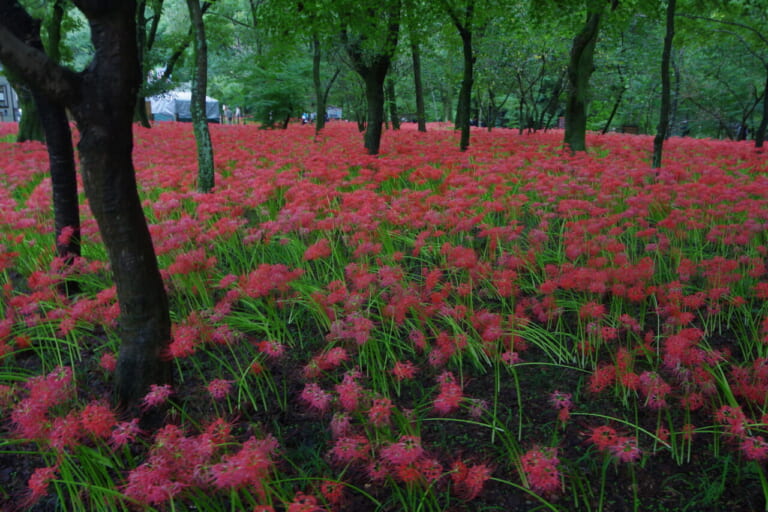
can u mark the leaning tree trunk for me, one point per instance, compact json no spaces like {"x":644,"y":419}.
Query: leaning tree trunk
{"x":580,"y":69}
{"x":205,"y":178}
{"x":661,"y":129}
{"x":421,"y":117}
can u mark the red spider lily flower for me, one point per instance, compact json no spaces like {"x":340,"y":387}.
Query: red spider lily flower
{"x":625,"y":449}
{"x":754,"y":448}
{"x":450,"y":395}
{"x":38,"y":483}
{"x":468,"y":481}
{"x":108,"y":361}
{"x":333,"y":492}
{"x":351,"y":448}
{"x":98,"y":419}
{"x":540,"y":466}
{"x":125,"y":432}
{"x":341,"y":425}
{"x":271,"y":348}
{"x":316,"y":397}
{"x":158,"y":395}
{"x":304,"y":503}
{"x":318,"y":250}
{"x":406,"y":451}
{"x":380,"y":411}
{"x":603,"y":437}
{"x":404,"y":370}
{"x":350,"y":392}
{"x":219,"y":388}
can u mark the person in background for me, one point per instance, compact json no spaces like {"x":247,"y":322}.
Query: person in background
{"x":238,"y":115}
{"x":224,"y":112}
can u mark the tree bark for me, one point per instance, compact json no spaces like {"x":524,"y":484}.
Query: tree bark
{"x":666,"y":103}
{"x":463,"y":109}
{"x":373,"y":68}
{"x":760,"y":132}
{"x":394,"y":117}
{"x":101,"y":99}
{"x":580,"y":69}
{"x":421,"y":117}
{"x":205,"y":175}
{"x":319,"y":96}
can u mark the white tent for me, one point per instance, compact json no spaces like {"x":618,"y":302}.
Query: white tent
{"x":175,"y":106}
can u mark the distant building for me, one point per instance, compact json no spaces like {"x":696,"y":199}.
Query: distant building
{"x":9,"y":101}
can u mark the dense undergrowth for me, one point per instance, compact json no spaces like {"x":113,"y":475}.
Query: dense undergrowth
{"x":508,"y":328}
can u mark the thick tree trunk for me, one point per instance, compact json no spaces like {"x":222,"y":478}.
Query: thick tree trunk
{"x":205,"y":178}
{"x":663,"y":126}
{"x":104,"y":116}
{"x":394,"y":117}
{"x":374,"y":95}
{"x":102,"y":99}
{"x":580,"y":69}
{"x":421,"y":117}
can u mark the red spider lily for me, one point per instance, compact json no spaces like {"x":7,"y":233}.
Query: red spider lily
{"x":468,"y":481}
{"x":540,"y":466}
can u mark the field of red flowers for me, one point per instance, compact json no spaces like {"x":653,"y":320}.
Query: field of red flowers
{"x":506,"y":328}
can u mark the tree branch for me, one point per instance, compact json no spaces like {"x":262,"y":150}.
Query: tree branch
{"x":19,"y":53}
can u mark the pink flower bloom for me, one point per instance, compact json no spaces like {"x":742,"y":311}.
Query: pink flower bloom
{"x":38,"y":483}
{"x":98,"y":419}
{"x":158,"y":394}
{"x":314,"y":395}
{"x":540,"y":466}
{"x":348,"y":449}
{"x":304,"y":503}
{"x":271,"y":348}
{"x":626,"y":449}
{"x":468,"y":481}
{"x":404,"y":370}
{"x":219,"y":388}
{"x":380,"y":411}
{"x":125,"y":433}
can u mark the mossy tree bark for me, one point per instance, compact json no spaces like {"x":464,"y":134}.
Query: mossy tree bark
{"x":205,"y":179}
{"x":580,"y":68}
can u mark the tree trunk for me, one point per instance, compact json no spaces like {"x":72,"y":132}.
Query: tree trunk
{"x":30,"y":127}
{"x":614,"y":109}
{"x":319,"y":96}
{"x":580,"y":69}
{"x":205,"y":179}
{"x":374,"y":95}
{"x":101,"y":99}
{"x":463,"y":109}
{"x":421,"y":117}
{"x":663,"y":126}
{"x":392,"y":102}
{"x":760,"y":133}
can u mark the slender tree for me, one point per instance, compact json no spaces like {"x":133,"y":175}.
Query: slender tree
{"x":205,"y":175}
{"x":666,"y":103}
{"x":462,"y":16}
{"x":101,"y":98}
